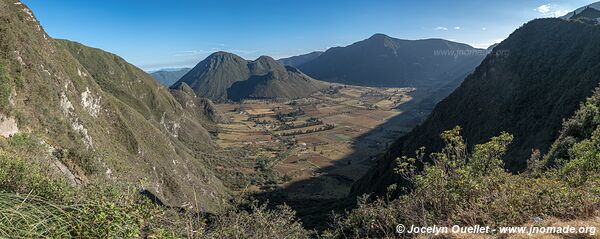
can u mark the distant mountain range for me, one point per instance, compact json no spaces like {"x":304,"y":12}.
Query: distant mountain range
{"x":225,"y":76}
{"x":385,"y":61}
{"x":296,"y":61}
{"x":434,"y":66}
{"x":168,"y":77}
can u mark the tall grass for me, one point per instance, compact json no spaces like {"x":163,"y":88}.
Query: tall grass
{"x":29,"y":216}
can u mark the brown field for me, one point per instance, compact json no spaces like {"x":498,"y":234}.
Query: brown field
{"x":321,"y":163}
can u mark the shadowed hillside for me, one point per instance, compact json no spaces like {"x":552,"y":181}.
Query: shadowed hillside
{"x":297,"y":61}
{"x":527,"y":86}
{"x":385,"y":61}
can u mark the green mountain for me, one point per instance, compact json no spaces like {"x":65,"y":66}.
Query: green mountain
{"x":101,"y":118}
{"x":225,"y":76}
{"x":297,"y":61}
{"x":526,"y":87}
{"x":286,"y":83}
{"x":385,"y":61}
{"x":169,"y":77}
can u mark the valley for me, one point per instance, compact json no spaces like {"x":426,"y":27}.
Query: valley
{"x":354,"y":141}
{"x":319,"y":145}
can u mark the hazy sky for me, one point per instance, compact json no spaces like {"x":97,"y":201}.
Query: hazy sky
{"x":155,"y":34}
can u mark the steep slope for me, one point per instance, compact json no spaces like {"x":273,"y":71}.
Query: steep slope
{"x":385,"y":61}
{"x":200,"y":107}
{"x":114,"y":121}
{"x":216,"y":76}
{"x":583,"y":125}
{"x":297,"y":61}
{"x":287,"y":84}
{"x":169,"y":77}
{"x":526,"y":86}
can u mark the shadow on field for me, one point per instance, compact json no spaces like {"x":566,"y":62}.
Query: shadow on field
{"x":306,"y":196}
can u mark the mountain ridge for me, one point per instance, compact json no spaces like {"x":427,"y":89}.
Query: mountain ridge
{"x":392,"y":62}
{"x":100,"y":117}
{"x":527,"y":91}
{"x":215,"y":76}
{"x":299,"y":60}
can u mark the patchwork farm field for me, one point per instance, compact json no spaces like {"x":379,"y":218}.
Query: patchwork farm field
{"x":321,"y":144}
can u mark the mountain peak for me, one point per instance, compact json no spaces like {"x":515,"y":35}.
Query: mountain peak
{"x":266,"y":59}
{"x":265,"y":64}
{"x":223,"y":54}
{"x":382,"y":40}
{"x":221,"y":57}
{"x":588,"y":13}
{"x":379,"y":36}
{"x":382,"y":60}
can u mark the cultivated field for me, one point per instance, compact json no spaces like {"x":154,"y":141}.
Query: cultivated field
{"x":321,"y":144}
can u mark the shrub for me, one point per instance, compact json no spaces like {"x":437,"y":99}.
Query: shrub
{"x":584,"y":161}
{"x":258,"y":222}
{"x":457,"y":187}
{"x":34,"y":204}
{"x":19,"y":177}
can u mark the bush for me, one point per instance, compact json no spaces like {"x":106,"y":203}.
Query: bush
{"x":258,"y":222}
{"x":33,"y":204}
{"x":584,"y":161}
{"x":36,"y":204}
{"x":19,"y":177}
{"x":457,"y":187}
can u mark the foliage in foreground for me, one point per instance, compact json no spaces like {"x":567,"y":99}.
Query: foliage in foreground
{"x":35,"y":204}
{"x":472,"y":188}
{"x":455,"y":187}
{"x":258,"y":222}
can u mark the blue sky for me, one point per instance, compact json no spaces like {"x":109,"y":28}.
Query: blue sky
{"x":156,"y":34}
